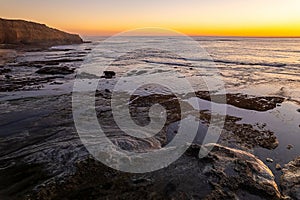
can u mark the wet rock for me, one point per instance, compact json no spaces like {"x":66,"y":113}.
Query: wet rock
{"x":13,"y":83}
{"x":290,"y":180}
{"x":234,"y":170}
{"x":7,"y":76}
{"x":278,"y":167}
{"x":224,"y":173}
{"x":55,"y":70}
{"x":52,"y":142}
{"x":246,"y":136}
{"x":41,"y":63}
{"x":4,"y":70}
{"x":108,"y":74}
{"x":243,"y":101}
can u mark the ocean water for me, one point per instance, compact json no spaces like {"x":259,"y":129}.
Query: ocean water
{"x":263,"y":66}
{"x":259,"y":66}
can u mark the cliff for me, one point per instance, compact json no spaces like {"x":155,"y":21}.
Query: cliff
{"x":22,"y":32}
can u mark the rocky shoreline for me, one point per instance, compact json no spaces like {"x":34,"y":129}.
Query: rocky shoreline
{"x":56,"y":165}
{"x":42,"y":157}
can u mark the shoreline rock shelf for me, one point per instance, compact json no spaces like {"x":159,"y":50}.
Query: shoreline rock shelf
{"x":224,"y":173}
{"x":63,"y":167}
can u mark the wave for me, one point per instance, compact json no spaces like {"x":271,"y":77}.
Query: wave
{"x":287,"y":51}
{"x":266,"y":64}
{"x":251,"y":63}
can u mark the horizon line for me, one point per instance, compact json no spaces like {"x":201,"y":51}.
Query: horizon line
{"x":212,"y":36}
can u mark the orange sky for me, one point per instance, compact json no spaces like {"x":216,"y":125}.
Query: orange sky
{"x":193,"y":17}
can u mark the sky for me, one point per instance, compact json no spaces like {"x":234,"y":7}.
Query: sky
{"x":259,"y":18}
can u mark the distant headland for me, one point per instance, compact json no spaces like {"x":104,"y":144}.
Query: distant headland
{"x":21,"y":32}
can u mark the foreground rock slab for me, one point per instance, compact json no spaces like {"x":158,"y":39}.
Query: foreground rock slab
{"x":290,"y":180}
{"x":52,"y":163}
{"x":224,"y":174}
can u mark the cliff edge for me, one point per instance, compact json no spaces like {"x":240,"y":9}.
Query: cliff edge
{"x":22,"y":32}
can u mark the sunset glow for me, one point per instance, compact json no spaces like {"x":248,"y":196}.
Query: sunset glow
{"x":194,"y":17}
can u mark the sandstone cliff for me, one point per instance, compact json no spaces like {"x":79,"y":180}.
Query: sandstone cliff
{"x":30,"y":33}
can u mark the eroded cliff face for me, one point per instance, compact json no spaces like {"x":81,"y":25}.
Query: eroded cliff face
{"x":24,"y":32}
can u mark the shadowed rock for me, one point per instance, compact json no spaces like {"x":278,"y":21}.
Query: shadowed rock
{"x":4,"y":70}
{"x":68,"y":172}
{"x":55,"y":70}
{"x":243,"y":101}
{"x":108,"y":74}
{"x":224,"y":174}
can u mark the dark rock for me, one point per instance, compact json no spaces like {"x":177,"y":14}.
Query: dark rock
{"x":55,"y":70}
{"x":14,"y":83}
{"x":4,"y":70}
{"x":41,"y":63}
{"x":7,"y":76}
{"x":224,"y":174}
{"x":248,"y":136}
{"x":243,"y":101}
{"x":108,"y":74}
{"x":290,"y":180}
{"x":244,"y":135}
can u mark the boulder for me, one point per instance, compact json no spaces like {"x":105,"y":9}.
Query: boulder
{"x":290,"y":180}
{"x":108,"y":74}
{"x":236,"y":174}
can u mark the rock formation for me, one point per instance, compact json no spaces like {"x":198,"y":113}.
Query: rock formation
{"x":29,"y":33}
{"x":224,"y":174}
{"x":290,"y":180}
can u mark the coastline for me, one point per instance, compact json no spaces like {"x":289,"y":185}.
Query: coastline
{"x":40,"y":139}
